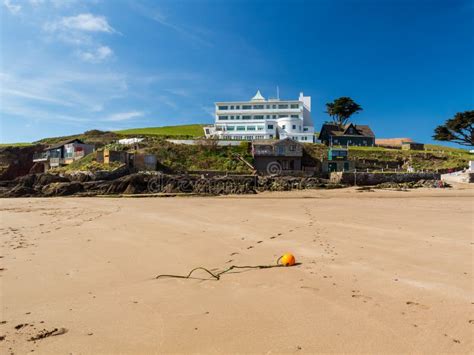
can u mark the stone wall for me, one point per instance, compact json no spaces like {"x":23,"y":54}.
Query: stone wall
{"x":368,"y":179}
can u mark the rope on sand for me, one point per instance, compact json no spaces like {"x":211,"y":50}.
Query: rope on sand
{"x":217,"y":275}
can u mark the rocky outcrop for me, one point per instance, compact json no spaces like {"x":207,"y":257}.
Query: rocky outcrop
{"x":18,"y":161}
{"x":83,"y":176}
{"x":371,"y":179}
{"x":62,"y":189}
{"x":48,"y":185}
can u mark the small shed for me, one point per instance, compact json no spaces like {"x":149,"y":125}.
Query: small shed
{"x":108,"y":156}
{"x":275,"y":156}
{"x":139,"y":161}
{"x":144,"y":161}
{"x":413,"y":146}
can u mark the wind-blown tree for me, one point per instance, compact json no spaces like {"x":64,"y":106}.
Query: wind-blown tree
{"x":459,"y":129}
{"x":342,"y":109}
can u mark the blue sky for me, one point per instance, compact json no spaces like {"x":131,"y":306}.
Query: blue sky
{"x":69,"y":66}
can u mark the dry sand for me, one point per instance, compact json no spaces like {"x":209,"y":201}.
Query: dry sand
{"x":380,"y":272}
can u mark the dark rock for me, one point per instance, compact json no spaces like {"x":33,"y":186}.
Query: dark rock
{"x":62,"y":188}
{"x":17,"y":161}
{"x":46,"y":179}
{"x":20,"y":191}
{"x":27,"y":180}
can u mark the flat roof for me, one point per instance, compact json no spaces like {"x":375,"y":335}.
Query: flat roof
{"x":257,"y":102}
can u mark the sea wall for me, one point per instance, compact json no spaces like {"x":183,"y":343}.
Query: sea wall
{"x":369,"y":179}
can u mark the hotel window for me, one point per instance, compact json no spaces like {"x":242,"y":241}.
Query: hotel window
{"x":305,"y":129}
{"x":259,"y":128}
{"x":223,"y":107}
{"x":268,"y":116}
{"x":283,"y":126}
{"x":231,"y":117}
{"x":232,"y":107}
{"x":292,"y":148}
{"x":258,"y":117}
{"x":230,"y":128}
{"x":237,"y":107}
{"x":294,"y":116}
{"x":223,"y":118}
{"x":294,"y":105}
{"x":246,"y":107}
{"x":250,"y":128}
{"x":268,"y":106}
{"x":257,"y":107}
{"x":270,"y":126}
{"x":271,"y":136}
{"x":240,"y":128}
{"x":293,"y":126}
{"x":274,"y":106}
{"x":274,"y":116}
{"x":282,"y":106}
{"x":246,"y":117}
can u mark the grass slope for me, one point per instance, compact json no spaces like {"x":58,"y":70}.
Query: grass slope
{"x":192,"y":130}
{"x":434,"y":157}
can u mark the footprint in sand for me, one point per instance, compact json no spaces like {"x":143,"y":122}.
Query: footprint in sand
{"x":250,"y":247}
{"x":416,"y":304}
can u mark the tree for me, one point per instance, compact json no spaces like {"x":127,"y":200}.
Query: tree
{"x":459,"y":129}
{"x":342,"y":109}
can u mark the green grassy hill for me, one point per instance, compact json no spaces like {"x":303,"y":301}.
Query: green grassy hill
{"x":191,"y":131}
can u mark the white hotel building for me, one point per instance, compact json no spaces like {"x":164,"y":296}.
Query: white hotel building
{"x":263,"y":119}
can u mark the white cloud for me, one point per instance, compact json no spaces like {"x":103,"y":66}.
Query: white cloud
{"x":124,"y":116}
{"x":81,"y":22}
{"x":79,"y":31}
{"x":97,"y":55}
{"x":14,"y":8}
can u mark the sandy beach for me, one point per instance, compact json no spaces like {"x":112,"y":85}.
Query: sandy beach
{"x":379,"y":272}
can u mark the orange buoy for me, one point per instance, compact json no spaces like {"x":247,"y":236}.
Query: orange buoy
{"x":287,"y":259}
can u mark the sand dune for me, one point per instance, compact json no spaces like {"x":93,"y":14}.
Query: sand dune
{"x":380,"y":272}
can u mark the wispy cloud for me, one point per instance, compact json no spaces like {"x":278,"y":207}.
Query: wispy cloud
{"x":81,"y":22}
{"x":85,"y":92}
{"x":191,"y":33}
{"x":79,"y":31}
{"x":124,"y":116}
{"x":96,"y":55}
{"x":12,"y":6}
{"x":29,"y":95}
{"x":179,"y":92}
